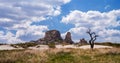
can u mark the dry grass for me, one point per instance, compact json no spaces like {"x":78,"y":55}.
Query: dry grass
{"x":61,"y":56}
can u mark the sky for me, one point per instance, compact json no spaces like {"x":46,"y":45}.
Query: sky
{"x":25,"y":20}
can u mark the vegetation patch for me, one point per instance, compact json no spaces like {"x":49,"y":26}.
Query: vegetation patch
{"x":51,"y":45}
{"x":60,"y":56}
{"x":24,"y":45}
{"x":109,"y":44}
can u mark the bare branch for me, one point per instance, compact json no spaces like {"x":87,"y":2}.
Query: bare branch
{"x":93,"y":37}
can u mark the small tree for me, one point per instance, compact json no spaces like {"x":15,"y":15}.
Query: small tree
{"x":93,"y":37}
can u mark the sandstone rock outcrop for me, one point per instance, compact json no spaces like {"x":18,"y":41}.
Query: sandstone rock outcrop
{"x":51,"y":36}
{"x":83,"y":41}
{"x":68,"y":38}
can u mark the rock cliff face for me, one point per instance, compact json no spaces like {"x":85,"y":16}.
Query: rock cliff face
{"x":83,"y":41}
{"x":68,"y":38}
{"x":51,"y":36}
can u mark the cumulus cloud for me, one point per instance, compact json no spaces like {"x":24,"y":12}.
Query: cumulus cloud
{"x":32,"y":32}
{"x":23,"y":33}
{"x":14,"y":11}
{"x":101,"y":23}
{"x":18,"y":15}
{"x":9,"y":38}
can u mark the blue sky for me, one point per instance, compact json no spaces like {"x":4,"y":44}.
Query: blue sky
{"x":22,"y":21}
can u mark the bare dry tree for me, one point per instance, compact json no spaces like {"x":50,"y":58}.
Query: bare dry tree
{"x":93,"y":37}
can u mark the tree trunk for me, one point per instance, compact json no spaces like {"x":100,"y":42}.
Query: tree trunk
{"x":92,"y":46}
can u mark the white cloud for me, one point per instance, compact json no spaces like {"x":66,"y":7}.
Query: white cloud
{"x":31,"y":33}
{"x":65,"y":1}
{"x":107,"y":6}
{"x":22,"y":10}
{"x":22,"y":35}
{"x":101,"y":23}
{"x":1,"y":32}
{"x":17,"y":11}
{"x":9,"y":38}
{"x":5,"y":20}
{"x":18,"y":15}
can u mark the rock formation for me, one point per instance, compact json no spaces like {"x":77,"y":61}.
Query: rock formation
{"x":51,"y":36}
{"x":83,"y":41}
{"x":68,"y":38}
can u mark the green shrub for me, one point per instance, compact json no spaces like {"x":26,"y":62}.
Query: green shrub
{"x":51,"y":45}
{"x":2,"y":44}
{"x":26,"y":45}
{"x":15,"y":46}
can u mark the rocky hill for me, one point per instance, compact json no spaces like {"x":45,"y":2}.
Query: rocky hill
{"x":54,"y":36}
{"x":68,"y":38}
{"x":51,"y":36}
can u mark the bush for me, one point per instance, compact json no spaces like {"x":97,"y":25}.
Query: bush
{"x":51,"y":45}
{"x":26,"y":45}
{"x":15,"y":46}
{"x":2,"y":44}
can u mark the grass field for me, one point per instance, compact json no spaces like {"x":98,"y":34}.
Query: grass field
{"x":61,"y":56}
{"x":109,"y":44}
